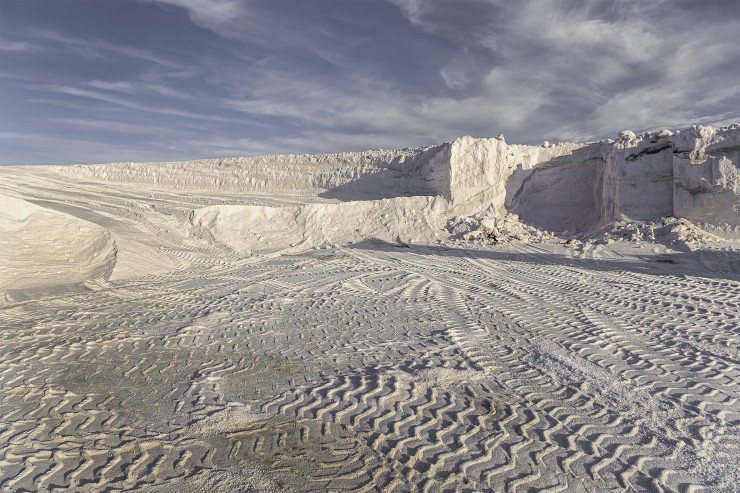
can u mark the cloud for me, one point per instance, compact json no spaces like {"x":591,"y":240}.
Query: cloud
{"x":18,"y":46}
{"x":580,"y":70}
{"x":101,"y":49}
{"x":133,"y":87}
{"x":543,"y":71}
{"x":412,"y":9}
{"x":119,"y":127}
{"x":323,"y":77}
{"x":39,"y":148}
{"x":211,"y":14}
{"x":140,"y":106}
{"x":348,"y":103}
{"x":669,"y":78}
{"x":463,"y":71}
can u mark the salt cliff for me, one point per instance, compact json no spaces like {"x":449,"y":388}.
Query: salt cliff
{"x":693,"y":174}
{"x":565,"y":188}
{"x":671,"y":185}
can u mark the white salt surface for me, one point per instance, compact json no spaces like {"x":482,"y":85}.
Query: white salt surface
{"x":473,"y":316}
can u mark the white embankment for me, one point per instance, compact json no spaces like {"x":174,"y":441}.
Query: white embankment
{"x":41,"y":246}
{"x":252,"y":228}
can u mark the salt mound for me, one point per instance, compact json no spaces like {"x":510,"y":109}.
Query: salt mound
{"x":41,"y":247}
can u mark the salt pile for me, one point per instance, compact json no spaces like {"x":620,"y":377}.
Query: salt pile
{"x":567,"y":189}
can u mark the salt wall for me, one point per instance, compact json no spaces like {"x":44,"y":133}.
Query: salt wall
{"x":350,"y":175}
{"x":693,"y":173}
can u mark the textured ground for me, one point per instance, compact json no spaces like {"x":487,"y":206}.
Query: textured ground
{"x":370,"y":368}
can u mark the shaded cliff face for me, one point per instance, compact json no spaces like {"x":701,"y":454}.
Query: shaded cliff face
{"x":706,"y":178}
{"x":484,"y":171}
{"x":638,"y":179}
{"x":692,"y":174}
{"x":562,"y":194}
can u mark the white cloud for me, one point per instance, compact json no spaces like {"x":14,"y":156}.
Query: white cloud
{"x":581,"y":69}
{"x":211,"y":14}
{"x":462,"y":71}
{"x":137,"y":106}
{"x":101,"y":49}
{"x":132,"y":87}
{"x":532,"y":69}
{"x":566,"y":75}
{"x":412,"y":9}
{"x":117,"y":126}
{"x":574,"y":70}
{"x":689,"y":80}
{"x":19,"y":46}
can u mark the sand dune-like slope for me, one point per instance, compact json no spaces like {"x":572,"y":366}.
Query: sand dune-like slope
{"x":42,"y":246}
{"x":474,"y":316}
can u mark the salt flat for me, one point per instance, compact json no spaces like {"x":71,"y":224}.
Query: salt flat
{"x":375,"y":322}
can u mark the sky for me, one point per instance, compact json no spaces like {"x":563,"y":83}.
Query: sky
{"x":86,"y":81}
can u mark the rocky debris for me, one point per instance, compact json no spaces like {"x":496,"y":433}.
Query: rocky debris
{"x":668,"y":230}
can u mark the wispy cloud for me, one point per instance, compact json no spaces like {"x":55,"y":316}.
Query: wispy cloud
{"x":572,"y":74}
{"x":19,"y":46}
{"x":599,"y":66}
{"x":118,"y":127}
{"x":134,"y":105}
{"x":211,"y":14}
{"x":101,"y":49}
{"x":412,"y":9}
{"x":134,"y":87}
{"x":41,"y":148}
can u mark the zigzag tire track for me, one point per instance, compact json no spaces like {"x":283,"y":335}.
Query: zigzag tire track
{"x":374,"y":371}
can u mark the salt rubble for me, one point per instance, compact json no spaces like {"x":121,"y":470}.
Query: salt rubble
{"x":668,"y":230}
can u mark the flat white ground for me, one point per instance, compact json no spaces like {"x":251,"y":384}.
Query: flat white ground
{"x":371,"y":367}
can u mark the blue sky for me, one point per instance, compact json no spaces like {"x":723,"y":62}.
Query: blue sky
{"x":85,"y":81}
